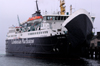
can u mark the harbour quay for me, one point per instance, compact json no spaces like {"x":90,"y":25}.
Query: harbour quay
{"x":93,"y":51}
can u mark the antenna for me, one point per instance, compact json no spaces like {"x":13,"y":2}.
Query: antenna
{"x":37,"y":6}
{"x":18,"y":20}
{"x":70,"y":9}
{"x":45,"y":12}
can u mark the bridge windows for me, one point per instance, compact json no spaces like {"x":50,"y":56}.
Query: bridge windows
{"x":59,"y":17}
{"x":65,"y":17}
{"x":55,"y":17}
{"x":44,"y":18}
{"x":62,"y":17}
{"x":47,"y":18}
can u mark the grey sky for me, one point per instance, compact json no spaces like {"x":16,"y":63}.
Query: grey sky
{"x":24,"y":8}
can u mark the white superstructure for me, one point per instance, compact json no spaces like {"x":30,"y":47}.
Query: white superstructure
{"x":51,"y":25}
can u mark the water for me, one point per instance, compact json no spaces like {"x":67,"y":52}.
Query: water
{"x":18,"y":61}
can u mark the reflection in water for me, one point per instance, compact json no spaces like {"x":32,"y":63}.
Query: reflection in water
{"x":92,"y":62}
{"x":17,"y":61}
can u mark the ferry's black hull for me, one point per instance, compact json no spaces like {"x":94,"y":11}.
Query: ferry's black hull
{"x":79,"y":34}
{"x":44,"y":46}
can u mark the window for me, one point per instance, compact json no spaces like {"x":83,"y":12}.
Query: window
{"x":98,"y":44}
{"x":13,"y":36}
{"x":58,"y":17}
{"x":47,"y":18}
{"x":93,"y":19}
{"x":50,"y":17}
{"x":62,"y":18}
{"x":47,"y":31}
{"x":44,"y":18}
{"x":29,"y":24}
{"x":31,"y":33}
{"x":65,"y":17}
{"x":53,"y":18}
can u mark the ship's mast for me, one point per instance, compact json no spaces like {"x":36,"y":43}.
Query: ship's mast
{"x":62,"y":8}
{"x":37,"y":6}
{"x":18,"y":20}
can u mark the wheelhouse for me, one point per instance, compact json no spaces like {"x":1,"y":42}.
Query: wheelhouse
{"x":55,"y":17}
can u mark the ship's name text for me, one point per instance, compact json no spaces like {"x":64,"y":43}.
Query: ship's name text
{"x":23,"y":41}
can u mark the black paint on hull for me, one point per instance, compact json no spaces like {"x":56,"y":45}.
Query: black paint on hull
{"x":79,"y":29}
{"x":79,"y":34}
{"x":53,"y":45}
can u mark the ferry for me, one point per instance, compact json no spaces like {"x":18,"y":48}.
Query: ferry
{"x":56,"y":34}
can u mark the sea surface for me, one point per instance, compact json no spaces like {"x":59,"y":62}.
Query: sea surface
{"x":19,"y":61}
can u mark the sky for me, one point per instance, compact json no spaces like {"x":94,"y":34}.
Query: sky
{"x":9,"y":9}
